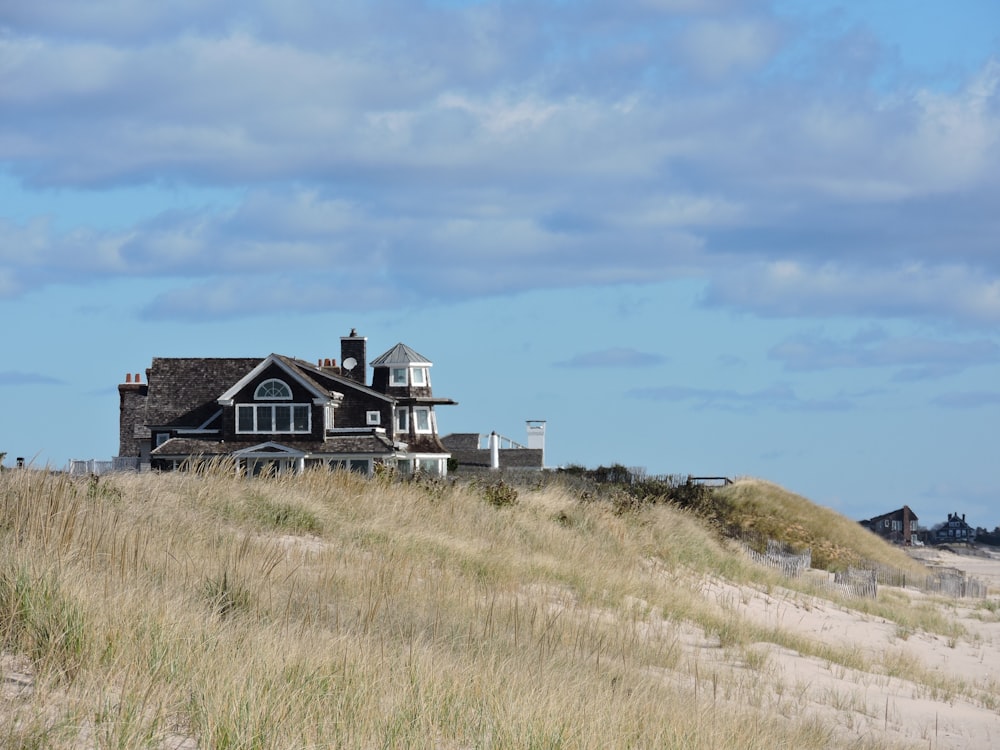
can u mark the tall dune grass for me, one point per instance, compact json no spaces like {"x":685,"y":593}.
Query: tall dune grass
{"x":327,"y":610}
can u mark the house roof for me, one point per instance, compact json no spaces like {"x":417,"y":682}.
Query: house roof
{"x":321,"y":377}
{"x":183,"y":390}
{"x":361,"y":443}
{"x":400,"y":354}
{"x":895,"y":514}
{"x":468,"y":441}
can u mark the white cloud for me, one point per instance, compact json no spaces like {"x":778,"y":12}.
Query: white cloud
{"x":716,"y":48}
{"x":792,"y":288}
{"x":919,"y":357}
{"x":486,"y":150}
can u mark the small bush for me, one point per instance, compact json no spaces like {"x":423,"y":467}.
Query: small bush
{"x":500,"y":494}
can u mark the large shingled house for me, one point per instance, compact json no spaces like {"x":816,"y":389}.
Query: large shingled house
{"x":898,"y":526}
{"x":281,"y":414}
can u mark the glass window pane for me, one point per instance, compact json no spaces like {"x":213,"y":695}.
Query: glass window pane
{"x":264,"y":418}
{"x":419,"y":376}
{"x":398,"y":376}
{"x":430,"y":466}
{"x":301,"y":414}
{"x":244,"y":419}
{"x":282,"y":419}
{"x":402,"y":420}
{"x":422,"y":420}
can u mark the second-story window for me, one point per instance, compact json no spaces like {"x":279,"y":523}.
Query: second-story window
{"x":282,"y":418}
{"x":421,"y":419}
{"x":397,"y":376}
{"x":273,"y":418}
{"x":419,"y":375}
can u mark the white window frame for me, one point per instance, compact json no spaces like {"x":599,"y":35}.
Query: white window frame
{"x":396,"y":381}
{"x":418,"y":376}
{"x":259,"y":409}
{"x":259,"y":396}
{"x":373,"y":418}
{"x":402,"y":419}
{"x":429,"y":429}
{"x":432,"y":465}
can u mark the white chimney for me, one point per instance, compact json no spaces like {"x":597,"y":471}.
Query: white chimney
{"x":536,"y":436}
{"x":494,"y":450}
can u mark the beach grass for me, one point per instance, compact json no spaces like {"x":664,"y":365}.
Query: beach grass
{"x":329,"y":610}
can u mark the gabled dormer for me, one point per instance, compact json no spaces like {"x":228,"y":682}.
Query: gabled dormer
{"x":275,"y":398}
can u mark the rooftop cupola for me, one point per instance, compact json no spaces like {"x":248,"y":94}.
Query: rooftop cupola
{"x":402,"y":372}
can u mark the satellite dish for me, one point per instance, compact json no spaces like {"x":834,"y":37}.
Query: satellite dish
{"x":350,"y":363}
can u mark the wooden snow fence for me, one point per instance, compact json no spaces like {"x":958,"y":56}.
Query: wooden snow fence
{"x":778,"y":556}
{"x":859,"y":583}
{"x":956,"y":584}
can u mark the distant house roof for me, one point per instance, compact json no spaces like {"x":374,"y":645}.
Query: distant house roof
{"x":895,"y":514}
{"x":468,"y":441}
{"x":400,"y":354}
{"x":465,"y":449}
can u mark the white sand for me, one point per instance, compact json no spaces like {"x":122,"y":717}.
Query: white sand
{"x":958,"y":709}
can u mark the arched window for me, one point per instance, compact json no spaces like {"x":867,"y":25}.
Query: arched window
{"x":273,"y":390}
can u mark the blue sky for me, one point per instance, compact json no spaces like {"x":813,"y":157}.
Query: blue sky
{"x":726,"y":237}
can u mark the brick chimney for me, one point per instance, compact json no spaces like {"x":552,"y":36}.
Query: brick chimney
{"x":354,"y":356}
{"x":132,"y":411}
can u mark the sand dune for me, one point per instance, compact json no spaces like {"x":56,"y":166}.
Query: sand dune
{"x":958,"y":710}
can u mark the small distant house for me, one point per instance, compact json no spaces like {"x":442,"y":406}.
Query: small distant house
{"x":955,"y":529}
{"x":280,"y":414}
{"x":474,"y":450}
{"x":898,"y":527}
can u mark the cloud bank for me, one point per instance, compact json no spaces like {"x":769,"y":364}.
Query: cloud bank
{"x":385,"y":153}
